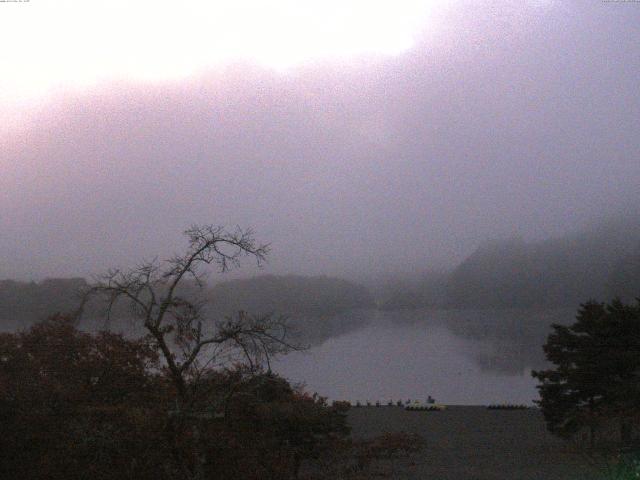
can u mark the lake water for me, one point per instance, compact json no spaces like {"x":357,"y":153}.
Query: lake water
{"x":416,"y":354}
{"x":464,"y":357}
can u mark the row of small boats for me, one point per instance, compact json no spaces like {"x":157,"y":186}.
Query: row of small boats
{"x":435,"y":407}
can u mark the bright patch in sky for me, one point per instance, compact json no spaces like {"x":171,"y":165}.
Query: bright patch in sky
{"x":47,"y":44}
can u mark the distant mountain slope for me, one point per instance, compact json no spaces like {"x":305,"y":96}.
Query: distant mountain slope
{"x":600,"y":263}
{"x":293,"y":295}
{"x":318,"y":307}
{"x":27,"y":302}
{"x":429,"y":291}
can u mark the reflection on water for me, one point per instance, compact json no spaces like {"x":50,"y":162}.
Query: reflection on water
{"x":458,"y":357}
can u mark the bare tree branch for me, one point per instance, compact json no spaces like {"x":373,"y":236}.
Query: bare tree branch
{"x":177,"y":324}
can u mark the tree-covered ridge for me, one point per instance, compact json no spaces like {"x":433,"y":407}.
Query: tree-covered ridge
{"x":28,"y":302}
{"x":292,"y":295}
{"x":601,"y":262}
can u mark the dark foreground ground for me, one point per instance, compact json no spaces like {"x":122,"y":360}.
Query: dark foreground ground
{"x":473,"y":443}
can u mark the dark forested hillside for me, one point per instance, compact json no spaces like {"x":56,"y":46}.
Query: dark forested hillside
{"x":600,"y":262}
{"x":22,"y":303}
{"x":595,"y":263}
{"x":293,"y":295}
{"x":314,"y":301}
{"x":316,"y":308}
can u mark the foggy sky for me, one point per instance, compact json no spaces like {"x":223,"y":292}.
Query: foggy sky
{"x":512,"y":120}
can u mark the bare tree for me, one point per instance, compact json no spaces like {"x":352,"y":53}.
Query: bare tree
{"x":190,"y":342}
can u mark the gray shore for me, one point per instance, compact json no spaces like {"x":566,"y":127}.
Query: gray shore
{"x":474,"y":443}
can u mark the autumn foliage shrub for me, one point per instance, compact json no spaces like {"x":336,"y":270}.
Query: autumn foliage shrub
{"x":75,"y":405}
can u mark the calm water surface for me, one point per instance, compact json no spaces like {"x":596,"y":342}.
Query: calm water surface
{"x":390,"y":360}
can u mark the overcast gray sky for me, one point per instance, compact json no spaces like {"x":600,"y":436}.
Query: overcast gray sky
{"x":498,"y":119}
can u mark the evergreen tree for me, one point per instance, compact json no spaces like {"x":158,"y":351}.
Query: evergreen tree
{"x":596,"y":377}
